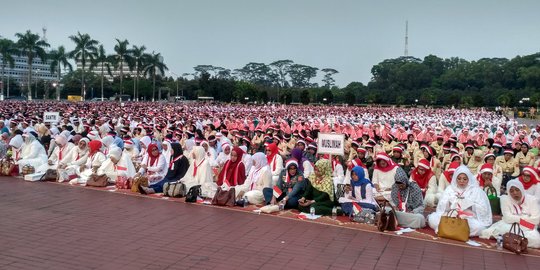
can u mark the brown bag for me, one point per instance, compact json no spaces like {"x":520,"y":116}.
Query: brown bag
{"x":141,"y":180}
{"x":7,"y":167}
{"x":515,"y":241}
{"x":97,"y":180}
{"x":50,"y":175}
{"x":386,"y":221}
{"x":453,"y":228}
{"x":224,"y":197}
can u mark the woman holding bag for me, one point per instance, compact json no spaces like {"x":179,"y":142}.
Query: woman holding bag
{"x":470,"y":201}
{"x":517,"y":207}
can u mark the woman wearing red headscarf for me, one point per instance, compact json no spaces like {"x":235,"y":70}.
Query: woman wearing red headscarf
{"x":93,"y":162}
{"x":383,"y":175}
{"x":530,"y":180}
{"x":234,"y":171}
{"x":275,"y":161}
{"x":153,"y":165}
{"x":427,"y":181}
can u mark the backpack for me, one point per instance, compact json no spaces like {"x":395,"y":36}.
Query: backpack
{"x":174,"y":189}
{"x":193,"y":193}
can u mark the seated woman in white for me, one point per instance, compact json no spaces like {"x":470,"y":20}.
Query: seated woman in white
{"x":383,"y":175}
{"x":153,"y":165}
{"x":530,"y":180}
{"x":117,"y":165}
{"x":93,"y":162}
{"x":426,"y":179}
{"x":200,"y":173}
{"x":517,"y":207}
{"x":470,"y":201}
{"x":259,"y":178}
{"x":33,"y":153}
{"x":275,"y":161}
{"x":16,"y":143}
{"x":74,"y":160}
{"x":59,"y":154}
{"x":338,"y":174}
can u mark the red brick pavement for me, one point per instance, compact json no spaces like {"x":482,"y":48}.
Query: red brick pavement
{"x":49,"y":226}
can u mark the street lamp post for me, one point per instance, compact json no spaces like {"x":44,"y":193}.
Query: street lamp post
{"x":55,"y":85}
{"x":177,"y":86}
{"x":35,"y":91}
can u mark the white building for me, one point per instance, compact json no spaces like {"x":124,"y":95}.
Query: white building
{"x":115,"y":72}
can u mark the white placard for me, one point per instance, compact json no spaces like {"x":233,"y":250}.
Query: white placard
{"x":331,"y":144}
{"x":51,"y":117}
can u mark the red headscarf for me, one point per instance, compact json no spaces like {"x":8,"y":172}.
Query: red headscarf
{"x":389,"y":161}
{"x":450,"y":171}
{"x":355,"y":162}
{"x":534,"y":177}
{"x":485,"y":168}
{"x":234,"y":172}
{"x":94,"y":147}
{"x":273,"y":152}
{"x":151,"y":157}
{"x":422,"y":179}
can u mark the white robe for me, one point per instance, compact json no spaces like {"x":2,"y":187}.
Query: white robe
{"x":384,"y":180}
{"x":124,"y":168}
{"x":203,"y":177}
{"x":94,"y":161}
{"x":155,"y":172}
{"x":257,"y":180}
{"x":276,"y":166}
{"x":33,"y":154}
{"x":471,"y":199}
{"x":530,"y":212}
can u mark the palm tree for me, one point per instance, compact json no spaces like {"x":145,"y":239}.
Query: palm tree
{"x":59,"y":58}
{"x":85,"y":51}
{"x":7,"y":50}
{"x":104,"y":61}
{"x":154,"y":64}
{"x":30,"y":45}
{"x":123,"y":54}
{"x":138,"y":57}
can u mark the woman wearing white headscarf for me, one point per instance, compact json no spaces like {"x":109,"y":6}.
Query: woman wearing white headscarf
{"x":188,"y":148}
{"x":74,"y":160}
{"x":166,"y":151}
{"x":518,"y":207}
{"x":225,"y":155}
{"x":117,"y":165}
{"x":470,"y":201}
{"x":259,"y":178}
{"x":33,"y":153}
{"x":16,"y":144}
{"x":200,"y":173}
{"x":59,"y":154}
{"x":246,"y":159}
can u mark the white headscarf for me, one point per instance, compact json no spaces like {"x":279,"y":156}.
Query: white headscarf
{"x":146,"y":141}
{"x":472,"y":180}
{"x":517,"y":184}
{"x":16,"y":141}
{"x":259,"y":168}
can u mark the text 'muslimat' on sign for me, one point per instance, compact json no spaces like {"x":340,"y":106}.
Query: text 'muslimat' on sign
{"x":51,"y":117}
{"x":329,"y":143}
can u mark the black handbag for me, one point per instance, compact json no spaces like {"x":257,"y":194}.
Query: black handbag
{"x":193,"y":193}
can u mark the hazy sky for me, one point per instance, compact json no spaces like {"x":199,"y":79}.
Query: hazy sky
{"x":350,"y":36}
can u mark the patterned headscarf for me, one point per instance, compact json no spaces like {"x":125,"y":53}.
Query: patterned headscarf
{"x":324,"y":166}
{"x":412,"y":194}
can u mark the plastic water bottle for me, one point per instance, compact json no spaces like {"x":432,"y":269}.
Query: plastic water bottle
{"x":312,"y":211}
{"x":334,"y":212}
{"x":281,"y":206}
{"x":245,"y":201}
{"x":499,"y":242}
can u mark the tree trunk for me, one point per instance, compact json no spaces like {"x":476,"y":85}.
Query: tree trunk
{"x":135,"y":83}
{"x":58,"y":84}
{"x":121,"y":76}
{"x":82,"y":81}
{"x":30,"y":77}
{"x":2,"y":90}
{"x":154,"y":86}
{"x":102,"y":67}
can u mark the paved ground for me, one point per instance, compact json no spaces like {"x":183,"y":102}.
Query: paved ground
{"x":49,"y":226}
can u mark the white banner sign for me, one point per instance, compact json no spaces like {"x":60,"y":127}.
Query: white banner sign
{"x":331,"y":144}
{"x":51,"y":117}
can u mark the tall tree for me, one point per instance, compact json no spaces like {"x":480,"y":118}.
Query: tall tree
{"x":59,"y":58}
{"x":104,"y":62}
{"x":328,"y":79}
{"x":122,"y":56}
{"x":301,"y":75}
{"x":154,"y":66}
{"x":281,"y":69}
{"x":84,"y":52}
{"x":7,"y":50}
{"x":138,"y":58}
{"x":30,"y":45}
